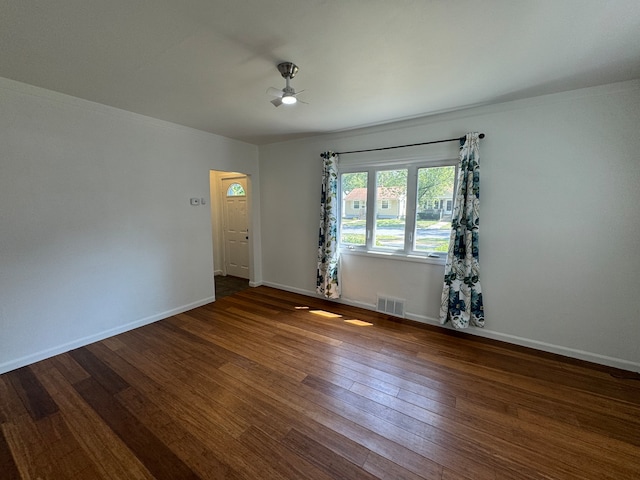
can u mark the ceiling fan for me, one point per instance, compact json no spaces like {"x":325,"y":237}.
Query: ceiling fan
{"x":287,"y":95}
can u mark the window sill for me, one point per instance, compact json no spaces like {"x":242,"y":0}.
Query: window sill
{"x":393,"y":256}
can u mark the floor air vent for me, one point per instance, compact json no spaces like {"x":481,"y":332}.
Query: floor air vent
{"x":392,"y":306}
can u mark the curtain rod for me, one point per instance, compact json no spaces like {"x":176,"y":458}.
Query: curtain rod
{"x":409,"y":145}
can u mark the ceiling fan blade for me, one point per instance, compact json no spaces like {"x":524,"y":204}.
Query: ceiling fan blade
{"x":275,"y":92}
{"x":276,"y":102}
{"x":298,"y":93}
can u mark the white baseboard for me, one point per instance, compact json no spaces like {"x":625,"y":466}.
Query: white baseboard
{"x":483,"y":332}
{"x":287,"y":288}
{"x":314,"y":294}
{"x":81,"y":342}
{"x":535,"y":344}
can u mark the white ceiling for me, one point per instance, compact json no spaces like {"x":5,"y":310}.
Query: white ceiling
{"x":207,"y":64}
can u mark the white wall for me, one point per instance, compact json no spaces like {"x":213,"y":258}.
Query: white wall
{"x":559,"y":220}
{"x":97,"y":236}
{"x":96,"y":232}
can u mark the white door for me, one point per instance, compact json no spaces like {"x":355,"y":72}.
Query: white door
{"x":236,"y":227}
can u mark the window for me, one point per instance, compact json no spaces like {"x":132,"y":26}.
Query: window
{"x":433,"y":226}
{"x":235,"y":190}
{"x":353,"y":217}
{"x":409,"y":217}
{"x":389,"y":225}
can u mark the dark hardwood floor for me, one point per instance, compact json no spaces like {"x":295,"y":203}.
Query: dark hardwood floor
{"x":226,"y":285}
{"x":250,"y":387}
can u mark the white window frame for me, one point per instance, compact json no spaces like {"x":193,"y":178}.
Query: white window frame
{"x":408,"y":253}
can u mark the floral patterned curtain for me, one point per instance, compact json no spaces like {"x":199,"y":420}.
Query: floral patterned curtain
{"x":327,"y":282}
{"x":462,"y":296}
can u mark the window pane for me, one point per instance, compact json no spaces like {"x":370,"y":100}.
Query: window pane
{"x":235,"y":190}
{"x":434,"y":209}
{"x":391,"y":190}
{"x":354,"y":209}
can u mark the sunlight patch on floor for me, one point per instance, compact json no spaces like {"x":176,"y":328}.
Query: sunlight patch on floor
{"x":324,"y":313}
{"x":359,"y":323}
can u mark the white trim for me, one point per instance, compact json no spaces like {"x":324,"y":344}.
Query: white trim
{"x":483,"y":332}
{"x":309,"y":293}
{"x":81,"y":342}
{"x":393,"y":255}
{"x":287,"y":288}
{"x":525,"y":342}
{"x":335,"y":139}
{"x":535,"y":344}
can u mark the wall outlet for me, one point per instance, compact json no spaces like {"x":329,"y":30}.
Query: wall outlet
{"x":195,"y":201}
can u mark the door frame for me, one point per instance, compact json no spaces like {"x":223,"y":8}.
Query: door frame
{"x":217,"y":210}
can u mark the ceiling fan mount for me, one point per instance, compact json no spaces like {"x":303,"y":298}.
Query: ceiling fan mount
{"x":288,"y":69}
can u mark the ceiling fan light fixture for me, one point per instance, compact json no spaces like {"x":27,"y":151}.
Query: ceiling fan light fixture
{"x":289,"y":99}
{"x":288,"y":95}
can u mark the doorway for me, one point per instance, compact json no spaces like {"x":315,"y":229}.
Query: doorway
{"x":230,"y":220}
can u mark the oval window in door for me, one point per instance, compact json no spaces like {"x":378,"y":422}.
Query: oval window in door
{"x":235,"y":190}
